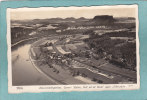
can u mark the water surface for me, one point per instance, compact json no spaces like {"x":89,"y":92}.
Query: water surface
{"x":23,"y":72}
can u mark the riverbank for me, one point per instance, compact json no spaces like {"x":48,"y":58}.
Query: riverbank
{"x":23,"y":71}
{"x":22,"y":41}
{"x":61,"y":76}
{"x":40,"y":71}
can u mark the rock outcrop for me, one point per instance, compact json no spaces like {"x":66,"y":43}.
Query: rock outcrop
{"x":103,"y":19}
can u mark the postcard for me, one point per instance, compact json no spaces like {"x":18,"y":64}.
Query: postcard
{"x":56,"y":49}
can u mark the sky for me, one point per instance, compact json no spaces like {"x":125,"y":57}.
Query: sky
{"x":76,"y":12}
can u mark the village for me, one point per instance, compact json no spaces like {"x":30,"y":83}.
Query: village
{"x":69,"y":56}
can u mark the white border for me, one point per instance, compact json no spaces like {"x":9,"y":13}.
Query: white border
{"x":55,"y":88}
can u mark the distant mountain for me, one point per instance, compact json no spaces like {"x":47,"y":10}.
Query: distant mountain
{"x":82,"y":18}
{"x":69,"y":18}
{"x":125,"y":20}
{"x":97,"y":20}
{"x":103,"y":19}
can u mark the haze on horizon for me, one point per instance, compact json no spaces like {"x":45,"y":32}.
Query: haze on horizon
{"x":77,"y":12}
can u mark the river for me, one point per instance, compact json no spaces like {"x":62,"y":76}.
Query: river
{"x":23,"y":72}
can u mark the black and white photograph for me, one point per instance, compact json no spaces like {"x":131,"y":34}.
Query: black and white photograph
{"x":73,"y":46}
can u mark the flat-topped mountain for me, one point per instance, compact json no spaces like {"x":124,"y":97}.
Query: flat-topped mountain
{"x":103,"y":19}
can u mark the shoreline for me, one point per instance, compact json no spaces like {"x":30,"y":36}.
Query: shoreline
{"x":12,"y":45}
{"x":38,"y":69}
{"x":64,"y":81}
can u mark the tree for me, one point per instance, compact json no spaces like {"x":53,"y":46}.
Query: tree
{"x":94,"y":79}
